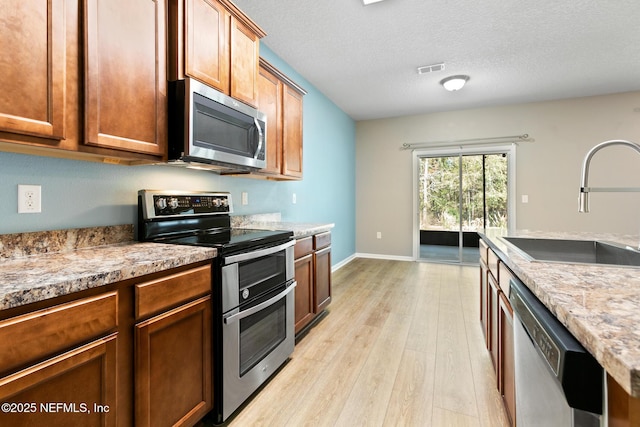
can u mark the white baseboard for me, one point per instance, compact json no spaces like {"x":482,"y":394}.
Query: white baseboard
{"x":387,"y":257}
{"x":372,"y":256}
{"x":343,"y":263}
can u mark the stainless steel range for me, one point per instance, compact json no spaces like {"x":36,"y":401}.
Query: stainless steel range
{"x":253,"y":287}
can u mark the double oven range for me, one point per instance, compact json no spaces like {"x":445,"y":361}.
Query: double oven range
{"x":253,"y":287}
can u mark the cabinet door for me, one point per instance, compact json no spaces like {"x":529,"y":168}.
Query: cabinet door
{"x":126,"y":81}
{"x":623,"y":410}
{"x":484,"y":301}
{"x":173,"y":360}
{"x":33,"y":68}
{"x":292,"y":132}
{"x":75,"y":388}
{"x":492,"y":317}
{"x":207,"y":53}
{"x":245,"y":56}
{"x":269,"y":102}
{"x":304,"y":292}
{"x":507,"y":358}
{"x":322,"y":261}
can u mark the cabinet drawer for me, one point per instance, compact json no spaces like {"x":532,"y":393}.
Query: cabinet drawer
{"x":303,"y":247}
{"x":484,"y":249}
{"x":505,"y":276}
{"x":492,"y":263}
{"x":167,"y":292}
{"x":322,"y":240}
{"x":36,"y":335}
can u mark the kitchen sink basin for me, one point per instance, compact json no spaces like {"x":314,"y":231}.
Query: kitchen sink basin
{"x":575,"y":251}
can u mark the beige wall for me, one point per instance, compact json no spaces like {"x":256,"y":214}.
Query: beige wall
{"x":548,"y":169}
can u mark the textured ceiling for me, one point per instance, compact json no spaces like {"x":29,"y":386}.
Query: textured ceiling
{"x":365,"y":58}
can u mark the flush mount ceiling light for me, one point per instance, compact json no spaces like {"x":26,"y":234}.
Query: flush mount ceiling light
{"x":454,"y":82}
{"x":368,"y":2}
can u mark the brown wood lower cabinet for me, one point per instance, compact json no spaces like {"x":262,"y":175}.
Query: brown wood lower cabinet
{"x":304,"y":311}
{"x":322,"y":270}
{"x":484,"y":299}
{"x":75,"y":388}
{"x":492,"y":308}
{"x":136,"y":352}
{"x":173,"y":366}
{"x":313,"y":277}
{"x":623,"y":409}
{"x":496,"y":318}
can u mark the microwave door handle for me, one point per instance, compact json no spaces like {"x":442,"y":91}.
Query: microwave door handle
{"x":260,"y":137}
{"x":245,"y":313}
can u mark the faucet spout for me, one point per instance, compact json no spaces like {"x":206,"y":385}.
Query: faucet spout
{"x":584,"y":177}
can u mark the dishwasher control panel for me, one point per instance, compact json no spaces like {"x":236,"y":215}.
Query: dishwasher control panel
{"x":537,"y":333}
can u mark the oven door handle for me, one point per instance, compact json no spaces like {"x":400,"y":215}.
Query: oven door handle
{"x":257,"y":254}
{"x":245,"y":313}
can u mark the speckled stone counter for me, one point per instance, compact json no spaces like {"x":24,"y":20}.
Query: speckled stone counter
{"x":600,"y":305}
{"x":274,"y":222}
{"x":41,"y":265}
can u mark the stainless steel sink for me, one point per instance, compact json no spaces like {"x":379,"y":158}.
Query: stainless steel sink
{"x":575,"y":251}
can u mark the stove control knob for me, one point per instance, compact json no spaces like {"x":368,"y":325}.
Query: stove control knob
{"x":173,"y":203}
{"x":217,"y":203}
{"x":245,"y":293}
{"x":225,"y":202}
{"x":161,"y":203}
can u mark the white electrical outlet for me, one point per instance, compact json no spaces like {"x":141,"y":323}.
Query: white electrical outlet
{"x":29,"y":199}
{"x":245,"y":198}
{"x":379,"y":235}
{"x":294,"y":199}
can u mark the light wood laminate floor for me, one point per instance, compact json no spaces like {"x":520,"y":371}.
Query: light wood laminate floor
{"x":401,"y":346}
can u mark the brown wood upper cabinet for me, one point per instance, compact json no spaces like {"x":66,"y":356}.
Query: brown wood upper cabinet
{"x":84,"y":79}
{"x":33,"y":68}
{"x":126,"y":81}
{"x":216,"y":43}
{"x":281,"y":100}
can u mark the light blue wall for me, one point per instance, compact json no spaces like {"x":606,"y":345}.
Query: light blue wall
{"x":83,"y":194}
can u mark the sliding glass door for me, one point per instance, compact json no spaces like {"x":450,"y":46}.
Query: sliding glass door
{"x":460,"y":195}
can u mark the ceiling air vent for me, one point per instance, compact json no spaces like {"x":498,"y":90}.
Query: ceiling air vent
{"x":430,"y":68}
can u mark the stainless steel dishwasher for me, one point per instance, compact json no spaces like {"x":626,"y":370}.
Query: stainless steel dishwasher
{"x":558,"y":382}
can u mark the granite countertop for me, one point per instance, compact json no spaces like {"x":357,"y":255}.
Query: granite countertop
{"x":42,"y":265}
{"x":274,"y":222}
{"x":300,"y":229}
{"x":599,"y":305}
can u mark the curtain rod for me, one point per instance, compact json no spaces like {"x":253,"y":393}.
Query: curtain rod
{"x":472,"y":141}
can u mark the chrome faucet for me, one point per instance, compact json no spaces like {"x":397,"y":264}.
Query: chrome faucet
{"x":584,"y":187}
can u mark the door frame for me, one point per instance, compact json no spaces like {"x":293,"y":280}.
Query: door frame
{"x":456,"y":150}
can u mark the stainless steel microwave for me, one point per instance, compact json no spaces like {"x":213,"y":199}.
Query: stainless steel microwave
{"x":210,"y":130}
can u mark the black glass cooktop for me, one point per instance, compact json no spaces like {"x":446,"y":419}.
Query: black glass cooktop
{"x":230,"y":240}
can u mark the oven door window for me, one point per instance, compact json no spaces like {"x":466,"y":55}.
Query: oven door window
{"x":260,"y":275}
{"x":262,"y":332}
